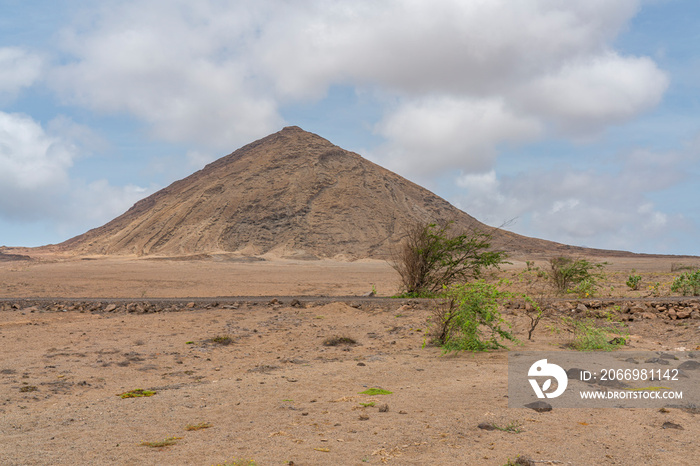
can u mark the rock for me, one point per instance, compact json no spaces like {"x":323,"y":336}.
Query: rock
{"x":638,"y":308}
{"x":110,"y":308}
{"x":384,"y":408}
{"x":648,"y":315}
{"x":539,"y":406}
{"x":574,"y":373}
{"x":595,"y":304}
{"x":671,"y":425}
{"x":690,"y":366}
{"x":581,"y":308}
{"x":296,"y":303}
{"x":369,"y":294}
{"x":190,"y":305}
{"x":684,"y":314}
{"x":486,"y":426}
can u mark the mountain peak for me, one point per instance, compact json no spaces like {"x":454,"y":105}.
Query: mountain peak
{"x":290,"y":193}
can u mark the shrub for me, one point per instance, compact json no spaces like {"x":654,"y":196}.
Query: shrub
{"x":469,"y":319}
{"x":337,"y":341}
{"x":432,"y":256}
{"x":590,"y":336}
{"x":688,"y":283}
{"x":575,"y":275}
{"x":633,"y":281}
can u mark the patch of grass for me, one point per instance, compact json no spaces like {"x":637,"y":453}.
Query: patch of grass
{"x":238,"y":462}
{"x":513,"y":427}
{"x":367,"y":405}
{"x":200,"y":426}
{"x":223,"y":340}
{"x":376,"y":391}
{"x":589,"y":336}
{"x":189,"y":343}
{"x":337,"y":341}
{"x":139,"y":392}
{"x":28,"y":388}
{"x":161,"y":443}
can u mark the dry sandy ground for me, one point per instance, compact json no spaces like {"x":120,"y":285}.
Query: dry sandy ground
{"x":276,"y":394}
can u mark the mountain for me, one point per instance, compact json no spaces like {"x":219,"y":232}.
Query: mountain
{"x":292,"y":193}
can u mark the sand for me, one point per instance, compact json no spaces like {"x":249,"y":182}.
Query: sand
{"x":276,"y":394}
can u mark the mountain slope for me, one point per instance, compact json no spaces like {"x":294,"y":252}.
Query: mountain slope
{"x":292,"y":192}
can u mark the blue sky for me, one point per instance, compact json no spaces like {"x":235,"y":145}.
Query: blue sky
{"x":575,"y":121}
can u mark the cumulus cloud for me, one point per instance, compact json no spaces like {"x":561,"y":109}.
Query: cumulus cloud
{"x":175,"y":65}
{"x":588,"y":95}
{"x":18,"y":69}
{"x":35,"y":180}
{"x":217,"y":73}
{"x":435,"y":134}
{"x":610,"y":209}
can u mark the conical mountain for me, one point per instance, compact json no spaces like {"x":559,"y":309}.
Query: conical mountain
{"x":290,"y":193}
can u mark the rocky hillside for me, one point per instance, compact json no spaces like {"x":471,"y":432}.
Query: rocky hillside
{"x":292,"y":193}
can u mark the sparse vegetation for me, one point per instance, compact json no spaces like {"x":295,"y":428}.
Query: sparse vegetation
{"x":434,"y":255}
{"x":633,"y":281}
{"x":578,"y":276}
{"x":139,"y":392}
{"x":513,"y":427}
{"x":588,"y":335}
{"x":688,"y":283}
{"x":465,"y":312}
{"x":200,"y":426}
{"x":338,"y":340}
{"x":239,"y":462}
{"x":222,"y":340}
{"x":161,"y":443}
{"x":376,"y":391}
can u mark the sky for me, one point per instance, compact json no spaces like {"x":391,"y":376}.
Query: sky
{"x":575,"y":121}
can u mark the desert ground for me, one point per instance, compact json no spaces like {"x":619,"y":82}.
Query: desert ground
{"x":236,"y":350}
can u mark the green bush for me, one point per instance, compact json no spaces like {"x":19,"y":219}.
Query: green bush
{"x":633,"y":281}
{"x":688,"y":283}
{"x":578,"y":276}
{"x":432,"y":256}
{"x":468,"y":319}
{"x":590,"y":336}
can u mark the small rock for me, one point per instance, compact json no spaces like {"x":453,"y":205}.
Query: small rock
{"x":486,"y":426}
{"x":595,"y":304}
{"x":574,"y":373}
{"x":110,"y":307}
{"x":539,"y":406}
{"x":362,"y":364}
{"x":369,"y":294}
{"x":672,"y":425}
{"x":690,"y":366}
{"x":363,"y":417}
{"x":296,"y":303}
{"x":384,"y":408}
{"x":581,"y":308}
{"x":189,"y":305}
{"x":683,"y":314}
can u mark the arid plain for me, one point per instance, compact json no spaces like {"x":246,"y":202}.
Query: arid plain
{"x":274,"y":393}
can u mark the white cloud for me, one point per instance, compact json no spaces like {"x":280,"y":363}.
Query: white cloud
{"x":593,"y":207}
{"x":587,"y":95}
{"x":431,"y":135}
{"x":36,"y":183}
{"x":217,"y":73}
{"x":18,"y":69}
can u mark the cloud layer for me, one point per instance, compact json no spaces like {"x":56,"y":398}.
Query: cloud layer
{"x":455,"y":83}
{"x":217,"y":73}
